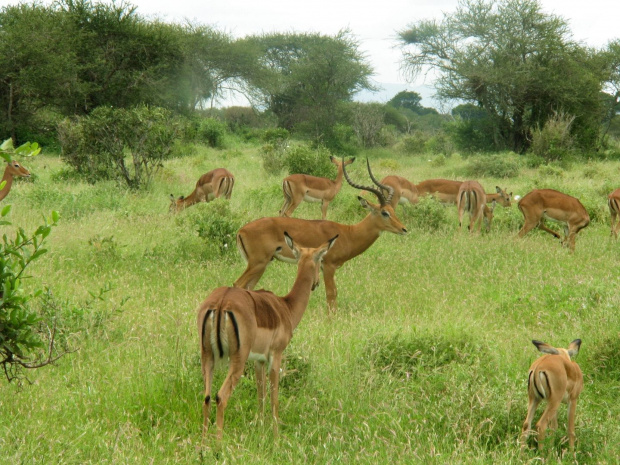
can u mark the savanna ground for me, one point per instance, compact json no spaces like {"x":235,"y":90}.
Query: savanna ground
{"x":425,"y":362}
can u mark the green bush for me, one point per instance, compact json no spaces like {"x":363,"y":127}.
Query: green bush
{"x":25,"y":340}
{"x":413,"y":144}
{"x":554,"y":141}
{"x":497,"y":166}
{"x":429,"y":215}
{"x":303,"y":159}
{"x":212,"y":132}
{"x":126,"y":144}
{"x":215,"y":223}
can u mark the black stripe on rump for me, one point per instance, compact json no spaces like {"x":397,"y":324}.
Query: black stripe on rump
{"x":235,"y":327}
{"x":219,"y":336}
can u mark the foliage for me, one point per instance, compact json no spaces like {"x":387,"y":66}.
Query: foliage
{"x":512,"y":59}
{"x":96,"y":146}
{"x":303,"y":159}
{"x":215,"y":223}
{"x":367,"y":122}
{"x":473,"y":130}
{"x":505,"y":165}
{"x":429,"y":215}
{"x":414,"y":144}
{"x":212,"y":132}
{"x":304,"y":78}
{"x":554,"y":141}
{"x":22,"y":332}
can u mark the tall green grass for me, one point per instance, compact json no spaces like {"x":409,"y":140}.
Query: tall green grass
{"x":425,"y":362}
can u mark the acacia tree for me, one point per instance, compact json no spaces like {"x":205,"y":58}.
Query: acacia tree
{"x":515,"y":61}
{"x":303,"y":78}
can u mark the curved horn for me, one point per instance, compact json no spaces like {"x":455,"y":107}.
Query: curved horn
{"x":390,"y":189}
{"x":377,"y":192}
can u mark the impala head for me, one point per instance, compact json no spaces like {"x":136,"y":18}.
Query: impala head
{"x":344,"y":162}
{"x":383,"y":212}
{"x":504,"y":197}
{"x":176,"y":205}
{"x":17,"y":170}
{"x":314,"y":256}
{"x":570,"y":352}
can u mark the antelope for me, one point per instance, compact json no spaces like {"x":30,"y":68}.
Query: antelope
{"x":541,"y":204}
{"x":613,"y":201}
{"x":13,"y":170}
{"x":243,"y":325}
{"x":260,"y":241}
{"x":298,"y":187}
{"x":554,"y":377}
{"x":471,"y":198}
{"x":445,"y":190}
{"x":212,"y":185}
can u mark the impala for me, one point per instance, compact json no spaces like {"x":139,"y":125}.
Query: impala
{"x":613,"y":201}
{"x":12,"y":170}
{"x":212,"y":185}
{"x":298,"y":187}
{"x":472,"y":199}
{"x":404,"y":190}
{"x":541,"y":204}
{"x":240,"y":325}
{"x":445,"y":190}
{"x":554,"y":377}
{"x":261,"y":241}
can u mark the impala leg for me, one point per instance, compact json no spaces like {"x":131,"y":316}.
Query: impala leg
{"x":274,"y":380}
{"x":251,"y":275}
{"x":235,"y":371}
{"x":546,"y":417}
{"x":330,"y":287}
{"x":207,"y":374}
{"x":324,"y":205}
{"x":572,"y":411}
{"x":259,"y":371}
{"x":527,"y":424}
{"x":285,"y":206}
{"x":615,"y":224}
{"x":542,"y":226}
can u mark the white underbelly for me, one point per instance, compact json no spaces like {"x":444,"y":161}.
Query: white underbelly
{"x":307,"y":198}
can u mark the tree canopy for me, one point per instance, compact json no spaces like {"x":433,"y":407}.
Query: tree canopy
{"x":517,"y":62}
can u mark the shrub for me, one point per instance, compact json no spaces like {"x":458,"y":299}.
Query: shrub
{"x":413,"y":144}
{"x":305,"y":160}
{"x":498,"y":166}
{"x":212,"y":132}
{"x":26,"y":341}
{"x":553,"y":141}
{"x":429,"y":214}
{"x":97,"y":146}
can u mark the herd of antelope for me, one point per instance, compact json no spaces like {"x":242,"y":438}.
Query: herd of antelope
{"x":240,"y":324}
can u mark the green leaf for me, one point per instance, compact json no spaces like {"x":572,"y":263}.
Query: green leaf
{"x":6,"y":209}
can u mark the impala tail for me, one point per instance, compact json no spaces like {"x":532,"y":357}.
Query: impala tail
{"x":215,"y":335}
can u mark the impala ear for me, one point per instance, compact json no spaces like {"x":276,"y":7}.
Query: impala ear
{"x":171,"y":198}
{"x":545,"y":348}
{"x":365,"y":203}
{"x":291,"y":245}
{"x":573,"y":348}
{"x":498,"y":189}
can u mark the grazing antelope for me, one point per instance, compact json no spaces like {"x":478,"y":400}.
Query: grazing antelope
{"x":445,"y":190}
{"x":613,"y":201}
{"x":240,"y":325}
{"x":404,"y":190}
{"x":13,"y":170}
{"x":299,"y":187}
{"x":541,"y":204}
{"x":554,"y":377}
{"x":260,"y":241}
{"x":471,"y":198}
{"x":212,"y":185}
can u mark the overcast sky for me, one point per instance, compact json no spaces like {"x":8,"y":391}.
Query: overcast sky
{"x":374,"y":23}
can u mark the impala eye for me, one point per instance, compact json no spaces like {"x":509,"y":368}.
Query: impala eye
{"x":385,"y":214}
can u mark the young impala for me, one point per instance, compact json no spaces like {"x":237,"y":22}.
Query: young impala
{"x":12,"y":170}
{"x":541,"y":204}
{"x":471,"y":198}
{"x":240,"y":325}
{"x":554,"y":377}
{"x":613,"y":201}
{"x":299,"y":187}
{"x":262,"y":240}
{"x":212,"y":185}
